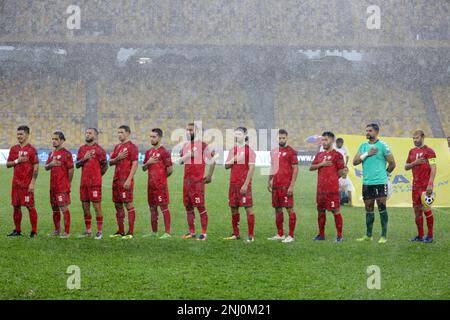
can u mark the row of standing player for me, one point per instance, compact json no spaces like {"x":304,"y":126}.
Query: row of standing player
{"x":195,"y":155}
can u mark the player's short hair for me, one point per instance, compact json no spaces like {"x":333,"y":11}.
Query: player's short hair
{"x":60,"y":135}
{"x":158,"y":131}
{"x":93,"y":129}
{"x":339,"y":140}
{"x":126,"y":128}
{"x":328,"y":134}
{"x":283,"y":131}
{"x":419,"y":132}
{"x":25,"y":129}
{"x":375,"y":126}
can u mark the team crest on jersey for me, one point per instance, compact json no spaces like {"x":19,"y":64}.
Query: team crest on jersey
{"x":328,"y":158}
{"x":23,"y":153}
{"x":284,"y":154}
{"x":58,"y":156}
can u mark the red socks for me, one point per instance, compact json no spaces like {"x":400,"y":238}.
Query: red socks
{"x":338,"y":222}
{"x":279,"y":220}
{"x":191,"y":220}
{"x":88,"y":222}
{"x":131,"y":219}
{"x":235,"y":218}
{"x":154,"y":218}
{"x":251,"y":223}
{"x":66,"y":214}
{"x":292,"y":223}
{"x":322,"y":219}
{"x":166,"y":215}
{"x":17,"y":217}
{"x":419,"y":221}
{"x":120,"y":217}
{"x":99,"y":220}
{"x":203,"y":219}
{"x":57,"y":220}
{"x":33,"y":219}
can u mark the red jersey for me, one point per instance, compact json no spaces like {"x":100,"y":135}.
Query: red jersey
{"x":282,"y":160}
{"x":157,"y":172}
{"x":23,"y":172}
{"x":421,"y":173}
{"x":123,"y":167}
{"x":59,"y":175}
{"x":91,"y":173}
{"x":328,"y":177}
{"x":239,"y":170}
{"x":194,"y":167}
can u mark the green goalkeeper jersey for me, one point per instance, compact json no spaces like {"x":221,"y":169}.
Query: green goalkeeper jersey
{"x":374,"y":167}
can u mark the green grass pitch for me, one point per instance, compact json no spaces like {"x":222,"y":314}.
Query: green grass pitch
{"x":149,"y":268}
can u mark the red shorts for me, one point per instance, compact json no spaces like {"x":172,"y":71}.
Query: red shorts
{"x":93,"y":194}
{"x":158,"y":197}
{"x":120,"y":195}
{"x":194,"y":194}
{"x":21,"y":197}
{"x":236,"y":199}
{"x":59,"y":199}
{"x":417,"y":194}
{"x":328,"y":201}
{"x":280,"y":198}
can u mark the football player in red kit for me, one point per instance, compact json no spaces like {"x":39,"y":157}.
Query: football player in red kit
{"x":422,"y":161}
{"x":330,"y":165}
{"x":24,"y":159}
{"x":284,"y":170}
{"x":158,"y":163}
{"x":241,"y":159}
{"x":92,"y":159}
{"x":194,"y":155}
{"x":60,"y":164}
{"x":125,"y":157}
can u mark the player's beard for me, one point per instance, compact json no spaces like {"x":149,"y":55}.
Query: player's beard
{"x":282,"y":145}
{"x":369,"y":137}
{"x":192,"y":136}
{"x":89,"y":140}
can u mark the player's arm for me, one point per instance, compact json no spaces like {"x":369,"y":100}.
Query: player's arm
{"x":134,"y":166}
{"x":350,"y":201}
{"x":211,"y":167}
{"x":230,"y":161}
{"x":410,"y":165}
{"x":391,"y":163}
{"x":122,"y":155}
{"x":80,"y":162}
{"x":33,"y":179}
{"x":346,"y":159}
{"x":317,"y":166}
{"x":169,"y":171}
{"x":13,"y":163}
{"x":104,"y":166}
{"x":251,"y":171}
{"x":432,"y":162}
{"x":360,"y":157}
{"x":71,"y":172}
{"x":290,"y":190}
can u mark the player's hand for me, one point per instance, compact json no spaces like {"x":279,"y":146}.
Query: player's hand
{"x":429,"y":190}
{"x":127,"y":185}
{"x":31,"y":187}
{"x":152,"y":160}
{"x":22,"y":159}
{"x":326,"y":163}
{"x":88,"y":155}
{"x":372,"y":151}
{"x":290,"y":191}
{"x":55,"y":163}
{"x":420,"y":161}
{"x":240,"y":158}
{"x":244,"y":189}
{"x":207,"y":179}
{"x":122,"y":155}
{"x":269,"y":186}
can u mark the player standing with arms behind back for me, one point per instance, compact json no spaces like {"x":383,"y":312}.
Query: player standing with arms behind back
{"x":241,"y":160}
{"x":92,"y":159}
{"x":422,"y":161}
{"x":60,"y":164}
{"x":374,"y":154}
{"x":158,"y":163}
{"x":194,"y":155}
{"x":284,"y":171}
{"x":330,"y":164}
{"x":23,"y":158}
{"x":125,"y":158}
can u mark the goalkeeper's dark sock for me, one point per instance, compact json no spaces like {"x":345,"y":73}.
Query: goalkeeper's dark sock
{"x":384,"y":222}
{"x":370,"y":218}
